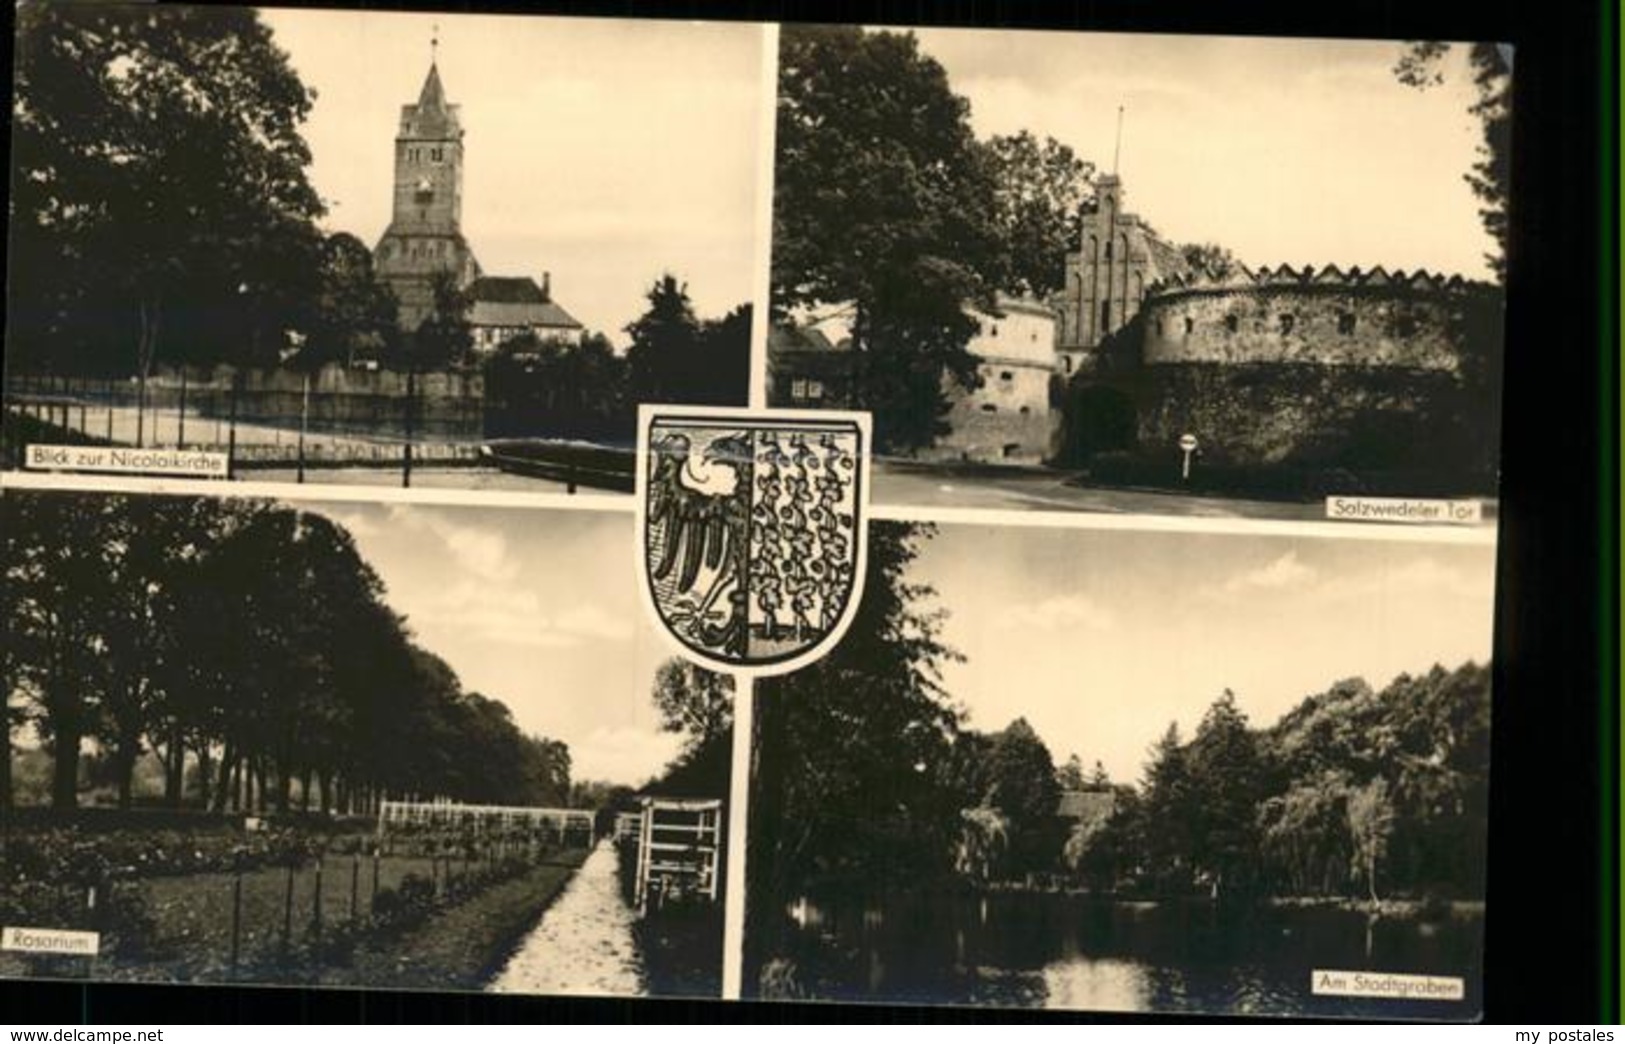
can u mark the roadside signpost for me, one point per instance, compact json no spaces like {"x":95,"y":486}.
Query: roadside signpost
{"x":1187,"y":443}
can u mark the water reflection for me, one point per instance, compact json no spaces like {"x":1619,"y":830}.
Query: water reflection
{"x":1062,"y":951}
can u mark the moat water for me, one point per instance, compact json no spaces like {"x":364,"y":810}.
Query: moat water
{"x":1061,"y":951}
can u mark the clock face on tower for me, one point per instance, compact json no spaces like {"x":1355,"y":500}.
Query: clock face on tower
{"x":425,"y":188}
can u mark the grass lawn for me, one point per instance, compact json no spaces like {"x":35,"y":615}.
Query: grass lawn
{"x":191,"y":915}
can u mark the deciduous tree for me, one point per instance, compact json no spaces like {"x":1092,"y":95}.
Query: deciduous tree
{"x":160,"y":197}
{"x":883,"y":200}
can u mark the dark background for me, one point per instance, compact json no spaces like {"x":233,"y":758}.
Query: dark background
{"x":1552,"y":928}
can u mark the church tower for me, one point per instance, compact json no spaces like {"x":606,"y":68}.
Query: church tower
{"x":425,"y":235}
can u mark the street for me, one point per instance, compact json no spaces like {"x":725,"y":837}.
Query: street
{"x":1033,"y":489}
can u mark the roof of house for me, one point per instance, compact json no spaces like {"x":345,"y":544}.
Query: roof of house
{"x":515,"y":301}
{"x":785,"y":338}
{"x":1085,"y":805}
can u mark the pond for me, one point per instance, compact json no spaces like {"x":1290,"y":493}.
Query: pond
{"x":1047,"y":950}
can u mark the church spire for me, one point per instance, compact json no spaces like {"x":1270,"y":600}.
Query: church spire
{"x":433,"y":96}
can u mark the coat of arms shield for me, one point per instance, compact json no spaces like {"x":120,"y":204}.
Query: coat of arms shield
{"x":752,"y":531}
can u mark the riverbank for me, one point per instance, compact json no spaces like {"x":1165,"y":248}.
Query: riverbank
{"x":462,"y":947}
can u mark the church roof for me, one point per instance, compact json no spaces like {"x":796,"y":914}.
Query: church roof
{"x":433,"y":95}
{"x":432,"y":117}
{"x":507,"y":290}
{"x":515,"y":301}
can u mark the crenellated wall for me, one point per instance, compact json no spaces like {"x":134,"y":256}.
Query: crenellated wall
{"x":1305,"y":368}
{"x":1324,"y":318}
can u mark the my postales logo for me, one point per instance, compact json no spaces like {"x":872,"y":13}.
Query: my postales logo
{"x":751,"y":531}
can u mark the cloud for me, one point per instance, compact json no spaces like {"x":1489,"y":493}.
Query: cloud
{"x":1285,"y":571}
{"x":478,"y":552}
{"x":1059,"y":613}
{"x":590,"y":621}
{"x":1421,"y":580}
{"x":360,"y":525}
{"x":516,"y":616}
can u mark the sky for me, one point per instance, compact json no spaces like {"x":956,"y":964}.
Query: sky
{"x":536,"y":608}
{"x":604,"y":152}
{"x":1100,"y":638}
{"x":1285,"y":151}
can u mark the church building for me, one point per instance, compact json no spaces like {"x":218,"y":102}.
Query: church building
{"x":425,"y":236}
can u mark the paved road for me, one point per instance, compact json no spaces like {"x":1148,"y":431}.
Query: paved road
{"x":1033,"y":489}
{"x":584,"y":943}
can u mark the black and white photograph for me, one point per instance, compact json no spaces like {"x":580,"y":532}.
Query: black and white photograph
{"x":1123,"y":770}
{"x":351,"y":745}
{"x":375,"y":248}
{"x":1187,"y":275}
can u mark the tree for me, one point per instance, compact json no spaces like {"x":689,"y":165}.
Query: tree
{"x":884,"y":201}
{"x":1370,"y":820}
{"x":160,"y":198}
{"x":1169,"y":811}
{"x":248,"y":639}
{"x":1226,"y":770}
{"x":549,"y":387}
{"x":693,"y":702}
{"x":56,"y":588}
{"x":1422,"y":66}
{"x":1210,"y":258}
{"x":444,"y":339}
{"x":722,"y":375}
{"x":1022,"y":786}
{"x":1038,"y":188}
{"x":676,"y":357}
{"x":354,"y":315}
{"x":1070,"y":775}
{"x":852,"y":752}
{"x":984,"y":844}
{"x":665,"y":341}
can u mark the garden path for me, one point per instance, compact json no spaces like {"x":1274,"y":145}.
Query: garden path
{"x":584,"y":943}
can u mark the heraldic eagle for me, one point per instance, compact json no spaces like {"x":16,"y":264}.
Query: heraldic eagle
{"x":703,"y":508}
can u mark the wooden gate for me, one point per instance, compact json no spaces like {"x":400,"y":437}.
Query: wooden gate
{"x":679,"y":850}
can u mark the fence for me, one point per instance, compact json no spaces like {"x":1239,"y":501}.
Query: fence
{"x":335,"y":415}
{"x":484,"y":818}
